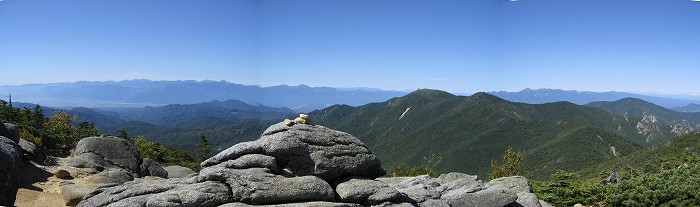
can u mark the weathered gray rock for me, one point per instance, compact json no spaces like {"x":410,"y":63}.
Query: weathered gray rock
{"x":365,"y":191}
{"x":109,"y":152}
{"x":260,"y":186}
{"x":515,"y":184}
{"x":176,"y":171}
{"x":165,"y":192}
{"x":10,"y":160}
{"x":118,"y":176}
{"x":454,"y":185}
{"x":434,"y":203}
{"x":9,"y":131}
{"x":490,"y":197}
{"x":526,"y":200}
{"x":74,"y":193}
{"x":305,"y":204}
{"x":73,"y":172}
{"x":152,"y":168}
{"x":309,"y":150}
{"x":234,"y":152}
{"x":88,"y":160}
{"x":419,"y":188}
{"x":32,"y":152}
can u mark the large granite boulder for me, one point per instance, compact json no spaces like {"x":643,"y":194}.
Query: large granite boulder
{"x":365,"y":191}
{"x":260,"y":186}
{"x":74,"y":193}
{"x":306,"y":149}
{"x":106,"y":152}
{"x":152,"y":168}
{"x":9,"y":131}
{"x":32,"y":152}
{"x":10,"y":160}
{"x":176,"y":171}
{"x":110,"y":176}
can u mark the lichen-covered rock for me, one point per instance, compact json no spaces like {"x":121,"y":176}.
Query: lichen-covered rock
{"x":106,"y":152}
{"x":170,"y":192}
{"x":10,"y":161}
{"x":176,"y":171}
{"x":365,"y":191}
{"x":309,"y":150}
{"x":152,"y":168}
{"x":260,"y":186}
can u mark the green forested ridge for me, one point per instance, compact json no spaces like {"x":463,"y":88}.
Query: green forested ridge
{"x":60,"y":132}
{"x":469,"y":131}
{"x":637,"y":108}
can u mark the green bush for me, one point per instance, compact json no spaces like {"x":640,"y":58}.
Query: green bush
{"x":164,"y":154}
{"x":405,"y":170}
{"x":677,"y":186}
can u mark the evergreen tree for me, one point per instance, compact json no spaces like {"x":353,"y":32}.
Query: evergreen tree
{"x":203,"y":148}
{"x":123,"y":134}
{"x":38,"y":118}
{"x":512,"y":165}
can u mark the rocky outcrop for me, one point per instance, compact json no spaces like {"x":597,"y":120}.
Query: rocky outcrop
{"x":32,"y":152}
{"x":176,"y":171}
{"x":160,"y":192}
{"x":110,"y":176}
{"x":152,"y":168}
{"x":9,"y":131}
{"x":309,"y":150}
{"x":10,"y":160}
{"x":361,"y":190}
{"x":106,"y":152}
{"x":308,"y":165}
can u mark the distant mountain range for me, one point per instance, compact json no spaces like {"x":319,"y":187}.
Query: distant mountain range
{"x":468,"y":131}
{"x":688,"y":108}
{"x":139,"y":93}
{"x":539,"y":96}
{"x":302,"y":98}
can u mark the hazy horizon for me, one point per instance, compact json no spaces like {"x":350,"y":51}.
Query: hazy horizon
{"x":456,"y":46}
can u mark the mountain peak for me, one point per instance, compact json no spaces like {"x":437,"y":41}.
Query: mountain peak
{"x":431,"y":93}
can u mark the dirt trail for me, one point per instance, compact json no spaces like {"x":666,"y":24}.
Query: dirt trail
{"x":38,"y":186}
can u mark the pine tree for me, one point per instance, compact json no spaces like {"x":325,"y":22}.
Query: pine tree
{"x":512,"y":164}
{"x":203,"y":148}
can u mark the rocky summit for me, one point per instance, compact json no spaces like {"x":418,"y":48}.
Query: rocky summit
{"x":307,"y":165}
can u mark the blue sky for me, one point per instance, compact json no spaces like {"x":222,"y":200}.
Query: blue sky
{"x":458,"y":46}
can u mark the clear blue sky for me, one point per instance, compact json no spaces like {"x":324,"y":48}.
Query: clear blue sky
{"x":458,"y":46}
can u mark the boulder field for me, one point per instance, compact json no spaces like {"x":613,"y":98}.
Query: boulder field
{"x":291,"y":164}
{"x":309,"y":165}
